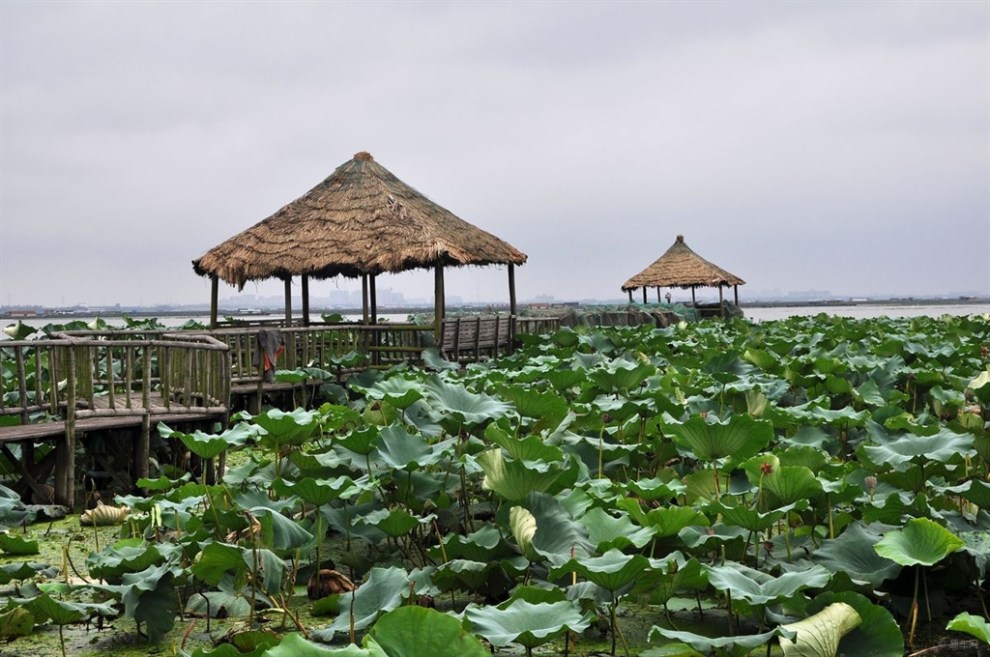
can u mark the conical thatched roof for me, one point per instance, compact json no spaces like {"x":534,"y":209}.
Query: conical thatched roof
{"x":360,"y":220}
{"x":681,"y":267}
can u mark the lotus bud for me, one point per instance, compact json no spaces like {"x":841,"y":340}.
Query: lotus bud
{"x":870,"y":483}
{"x":766,"y":468}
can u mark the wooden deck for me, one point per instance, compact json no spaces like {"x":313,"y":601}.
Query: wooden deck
{"x":79,"y":384}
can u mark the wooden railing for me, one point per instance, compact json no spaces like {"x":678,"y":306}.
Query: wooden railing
{"x":84,"y":381}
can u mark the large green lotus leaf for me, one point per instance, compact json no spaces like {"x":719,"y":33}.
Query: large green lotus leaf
{"x":758,"y":588}
{"x":655,"y":488}
{"x":219,"y":604}
{"x":527,"y":624}
{"x":150,"y":598}
{"x":944,"y":446}
{"x":481,"y":545}
{"x":852,"y":553}
{"x":980,"y":386}
{"x":667,"y":521}
{"x":565,"y":379}
{"x":621,"y":375}
{"x":396,"y":390}
{"x":707,"y":538}
{"x":606,"y":531}
{"x":404,"y":451}
{"x":472,"y":576}
{"x":381,"y":592}
{"x":530,"y":448}
{"x":130,"y":555}
{"x":293,"y":428}
{"x":548,"y":408}
{"x":16,"y":545}
{"x":612,"y":571}
{"x":660,"y":585}
{"x":418,"y":632}
{"x":279,"y":532}
{"x":16,"y":622}
{"x":315,"y":491}
{"x":294,"y":645}
{"x":19,"y":330}
{"x":203,"y":445}
{"x":868,"y":394}
{"x":394,"y":522}
{"x":973,"y":625}
{"x":708,"y":645}
{"x":921,"y":542}
{"x":522,"y":524}
{"x":463,"y":406}
{"x":558,"y":536}
{"x":819,"y":634}
{"x":746,"y":517}
{"x":709,"y":440}
{"x":44,"y":608}
{"x":513,"y":480}
{"x":218,"y":559}
{"x":978,"y":547}
{"x":361,"y":441}
{"x":877,"y":636}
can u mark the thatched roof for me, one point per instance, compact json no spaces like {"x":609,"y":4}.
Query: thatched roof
{"x":681,"y":267}
{"x":360,"y":220}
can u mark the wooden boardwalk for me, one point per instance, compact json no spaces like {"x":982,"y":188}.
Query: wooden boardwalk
{"x":80,"y":384}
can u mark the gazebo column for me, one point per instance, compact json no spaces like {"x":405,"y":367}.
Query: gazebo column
{"x":644,"y":295}
{"x":364,"y":298}
{"x":305,"y":299}
{"x":721,"y":304}
{"x":630,"y":295}
{"x":438,"y":306}
{"x":658,"y":294}
{"x":373,"y":296}
{"x":512,"y":306}
{"x":288,"y":301}
{"x":735,"y":293}
{"x":214,"y":297}
{"x":693,"y":302}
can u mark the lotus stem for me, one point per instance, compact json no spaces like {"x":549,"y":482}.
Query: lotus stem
{"x":914,"y":606}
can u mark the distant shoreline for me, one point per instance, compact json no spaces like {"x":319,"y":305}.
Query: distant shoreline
{"x":52,"y":313}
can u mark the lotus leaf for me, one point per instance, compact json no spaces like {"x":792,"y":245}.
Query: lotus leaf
{"x":416,"y":632}
{"x":525,"y":623}
{"x":819,"y":634}
{"x":973,"y":625}
{"x":852,"y":553}
{"x":606,"y":531}
{"x":382,"y":591}
{"x":613,"y":571}
{"x":920,"y":542}
{"x":877,"y":636}
{"x":759,"y":588}
{"x":710,"y":440}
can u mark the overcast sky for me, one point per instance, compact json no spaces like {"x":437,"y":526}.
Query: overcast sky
{"x":840,"y":146}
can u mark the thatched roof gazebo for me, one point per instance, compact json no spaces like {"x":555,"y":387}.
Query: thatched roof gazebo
{"x":681,"y":267}
{"x":359,"y":222}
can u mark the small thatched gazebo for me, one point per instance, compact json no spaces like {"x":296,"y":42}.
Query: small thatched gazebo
{"x":681,"y":267}
{"x":359,"y":222}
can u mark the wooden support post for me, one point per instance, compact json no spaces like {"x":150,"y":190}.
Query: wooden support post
{"x":512,"y":307}
{"x":288,"y":301}
{"x":214,"y":298}
{"x":305,"y":299}
{"x":735,"y":293}
{"x":721,"y":303}
{"x":141,"y":447}
{"x":644,"y":295}
{"x":373,"y":297}
{"x":630,"y":295}
{"x":658,"y":294}
{"x":438,"y":306}
{"x":693,"y":302}
{"x":364,"y":298}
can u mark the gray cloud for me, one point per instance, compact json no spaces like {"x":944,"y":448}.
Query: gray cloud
{"x":839,"y":146}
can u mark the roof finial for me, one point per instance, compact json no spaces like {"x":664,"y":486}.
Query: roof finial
{"x":364,"y":155}
{"x":680,"y":238}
